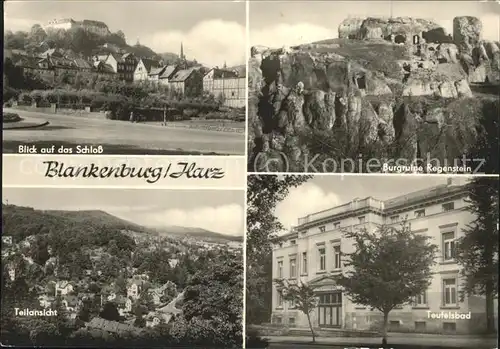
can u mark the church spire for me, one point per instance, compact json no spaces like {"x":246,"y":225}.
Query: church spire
{"x":225,"y":65}
{"x":182,"y":51}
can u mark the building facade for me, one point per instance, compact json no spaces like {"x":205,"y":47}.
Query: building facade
{"x":227,"y":84}
{"x":313,"y":253}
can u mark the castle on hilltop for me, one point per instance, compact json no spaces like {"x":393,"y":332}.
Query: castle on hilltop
{"x":96,"y":27}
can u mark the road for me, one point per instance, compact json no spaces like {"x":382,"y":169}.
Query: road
{"x":121,"y":137}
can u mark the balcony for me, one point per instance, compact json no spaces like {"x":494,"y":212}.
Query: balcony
{"x":342,"y":209}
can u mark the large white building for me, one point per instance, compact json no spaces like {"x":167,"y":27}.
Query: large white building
{"x":312,"y":252}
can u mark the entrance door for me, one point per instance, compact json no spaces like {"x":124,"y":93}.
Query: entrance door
{"x":330,"y":309}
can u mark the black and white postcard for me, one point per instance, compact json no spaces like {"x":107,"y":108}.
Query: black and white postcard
{"x":374,"y":86}
{"x":122,"y":268}
{"x":111,"y":77}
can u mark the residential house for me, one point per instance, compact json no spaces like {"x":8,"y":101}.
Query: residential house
{"x":143,"y":69}
{"x":12,"y":272}
{"x":169,"y":71}
{"x":187,"y":81}
{"x":155,"y":318}
{"x":230,"y":85}
{"x":173,"y":262}
{"x":134,"y":289}
{"x":63,"y":288}
{"x":83,"y":65}
{"x":113,"y":327}
{"x":122,"y":65}
{"x":154,"y":74}
{"x":103,"y":69}
{"x":70,"y":302}
{"x":123,"y":304}
{"x":158,"y":292}
{"x":312,"y":253}
{"x":46,"y":301}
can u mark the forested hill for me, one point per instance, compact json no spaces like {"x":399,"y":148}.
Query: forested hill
{"x":78,"y":41}
{"x":21,"y":222}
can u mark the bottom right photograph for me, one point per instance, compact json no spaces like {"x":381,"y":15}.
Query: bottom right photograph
{"x":371,"y":260}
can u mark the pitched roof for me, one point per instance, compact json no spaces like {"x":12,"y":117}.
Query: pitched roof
{"x":157,"y":71}
{"x":94,"y":23}
{"x":224,"y":73}
{"x":112,"y":326}
{"x":72,"y":300}
{"x":150,"y":63}
{"x":183,"y":74}
{"x":168,"y":72}
{"x":83,"y":64}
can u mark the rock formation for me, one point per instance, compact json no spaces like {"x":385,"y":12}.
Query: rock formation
{"x":467,"y":32}
{"x":336,"y":89}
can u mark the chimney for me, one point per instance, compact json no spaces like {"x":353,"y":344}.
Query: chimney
{"x":449,"y":181}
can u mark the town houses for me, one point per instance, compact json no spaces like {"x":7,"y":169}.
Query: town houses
{"x":314,"y":252}
{"x":55,"y":65}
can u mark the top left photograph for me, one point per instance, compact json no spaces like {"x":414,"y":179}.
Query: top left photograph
{"x":124,"y":78}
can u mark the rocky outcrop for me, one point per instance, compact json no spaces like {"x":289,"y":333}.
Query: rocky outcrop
{"x":373,"y":28}
{"x":312,"y":96}
{"x":349,"y":28}
{"x":467,"y":32}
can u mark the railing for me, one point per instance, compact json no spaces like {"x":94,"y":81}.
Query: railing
{"x":351,"y":206}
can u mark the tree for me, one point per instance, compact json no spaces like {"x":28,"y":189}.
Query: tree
{"x":303,"y":297}
{"x":485,"y":146}
{"x":110,"y":312}
{"x":264,"y":193}
{"x":477,"y":250}
{"x":389,"y":268}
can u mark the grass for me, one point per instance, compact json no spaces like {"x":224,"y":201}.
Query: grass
{"x":376,"y":56}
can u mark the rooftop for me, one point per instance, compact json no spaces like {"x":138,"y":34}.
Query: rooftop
{"x":386,"y":206}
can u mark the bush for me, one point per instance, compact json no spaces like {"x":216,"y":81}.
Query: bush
{"x":11,"y":117}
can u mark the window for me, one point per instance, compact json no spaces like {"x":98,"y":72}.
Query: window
{"x":420,"y":213}
{"x":278,"y":319}
{"x":291,"y":321}
{"x":394,"y":219}
{"x":304,"y":262}
{"x":293,"y":268}
{"x":420,"y":300}
{"x":336,"y":257}
{"x":336,"y":225}
{"x":280,"y":299}
{"x":322,"y":259}
{"x":449,"y":326}
{"x":450,"y":292}
{"x":232,"y":94}
{"x":292,"y":303}
{"x":420,"y":326}
{"x":394,"y":325}
{"x":322,"y":229}
{"x":293,"y":242}
{"x":448,"y":246}
{"x":448,"y":206}
{"x":280,"y":269}
{"x":361,"y":219}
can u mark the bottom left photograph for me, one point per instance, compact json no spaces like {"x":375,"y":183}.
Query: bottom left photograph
{"x":122,"y":268}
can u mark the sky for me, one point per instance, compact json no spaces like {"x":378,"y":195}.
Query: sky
{"x":212,"y":32}
{"x":287,"y":23}
{"x":325,"y":191}
{"x":220,"y":211}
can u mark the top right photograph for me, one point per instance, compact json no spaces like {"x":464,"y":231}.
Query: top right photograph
{"x":374,"y":87}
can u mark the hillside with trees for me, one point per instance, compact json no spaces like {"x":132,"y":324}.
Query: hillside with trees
{"x":76,"y":41}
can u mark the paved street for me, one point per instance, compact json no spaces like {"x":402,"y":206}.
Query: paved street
{"x":121,"y":137}
{"x":402,"y":340}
